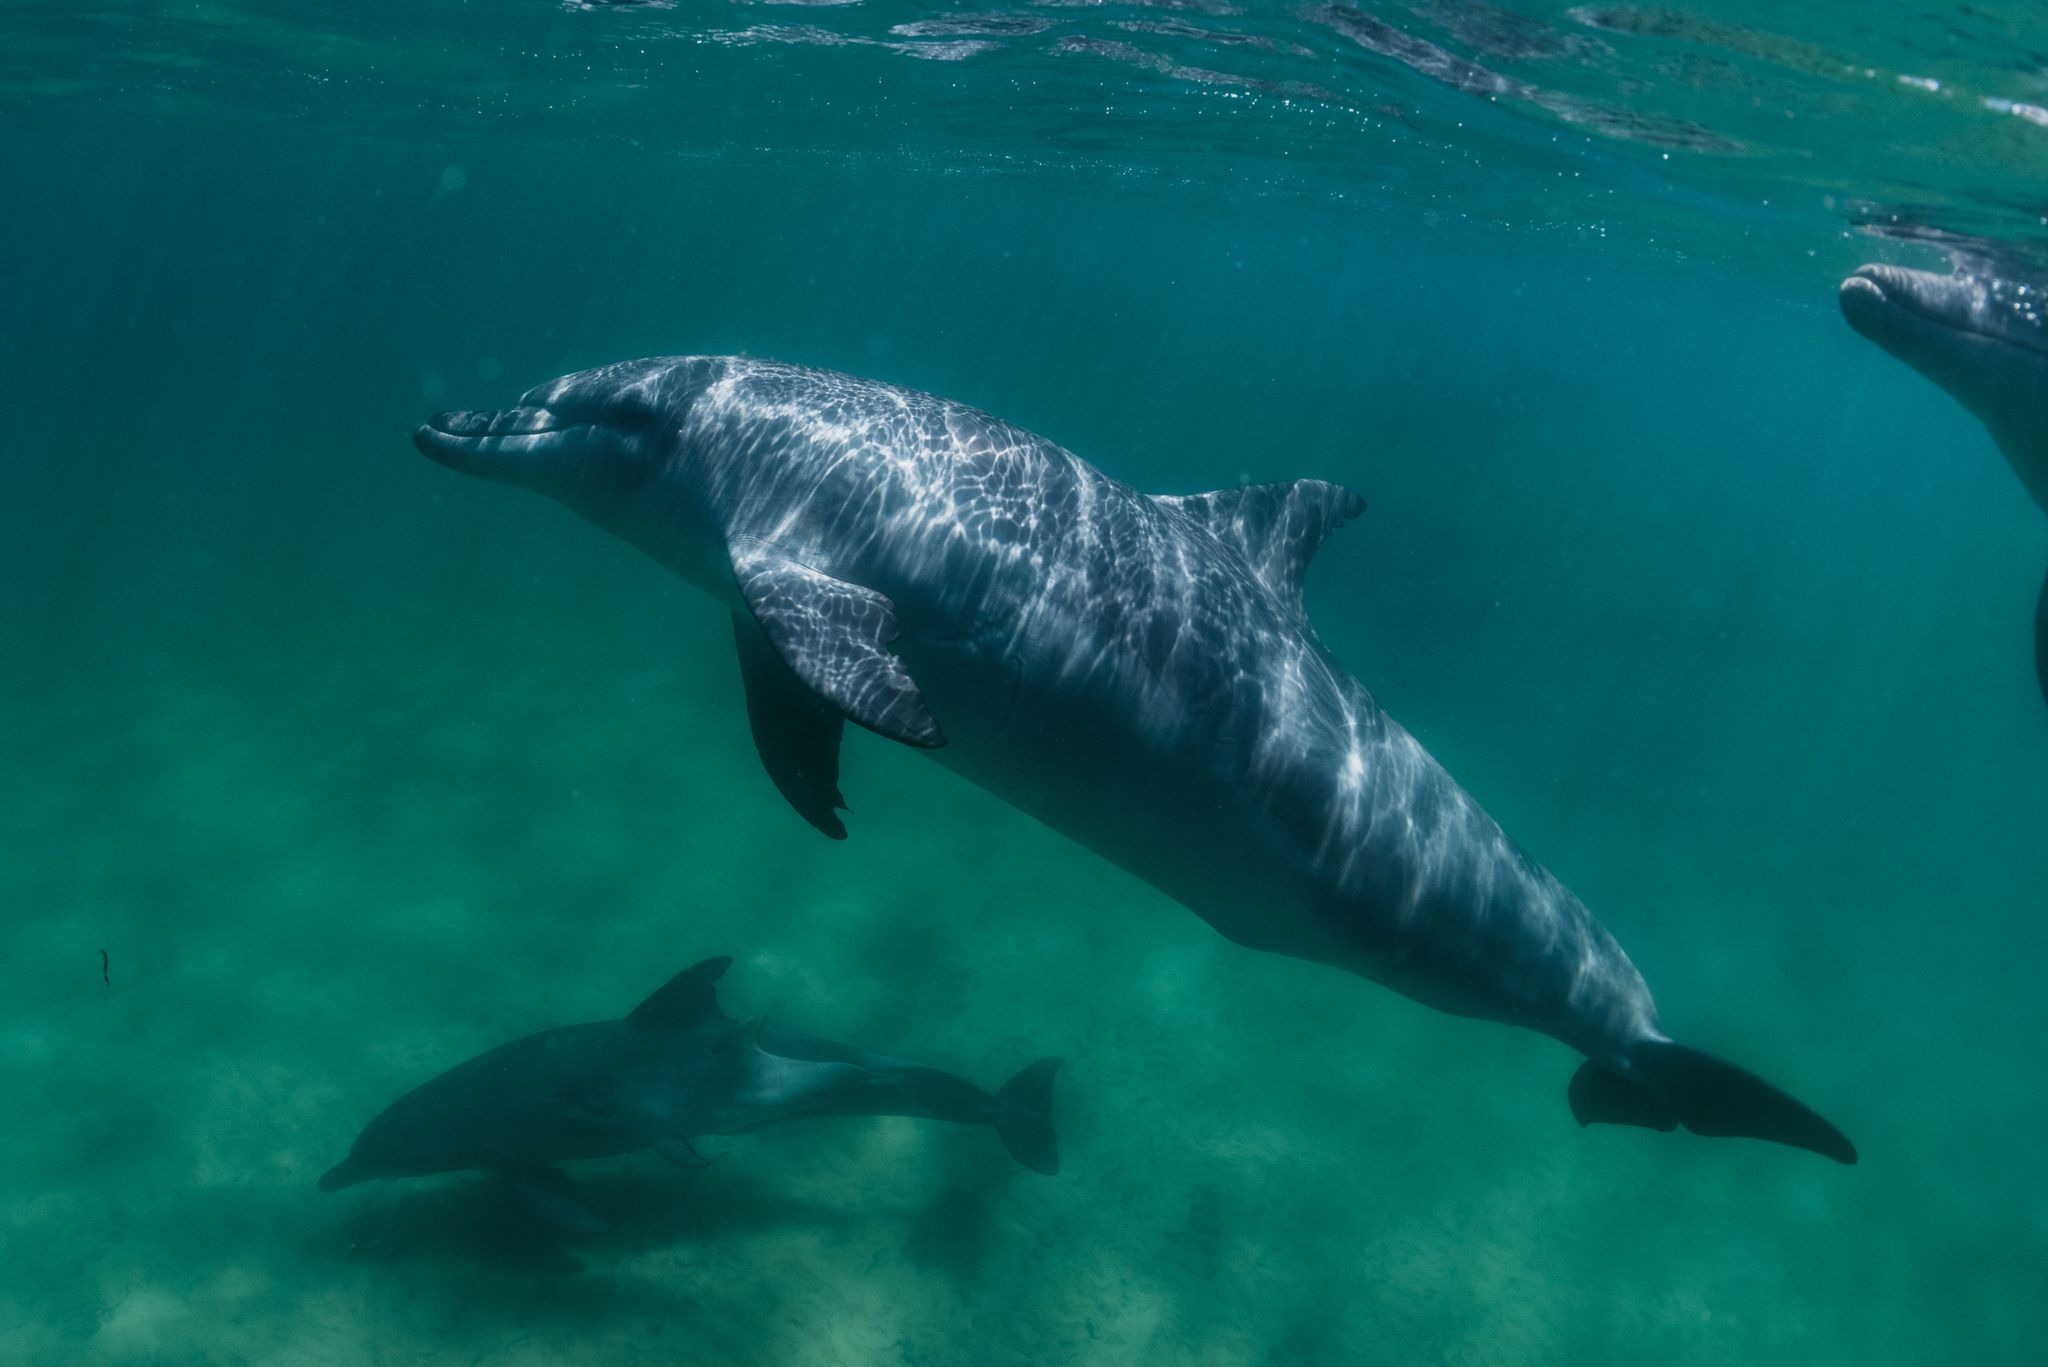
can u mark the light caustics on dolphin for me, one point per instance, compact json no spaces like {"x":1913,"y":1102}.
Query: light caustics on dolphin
{"x":676,"y":1068}
{"x":1137,"y":672}
{"x":1982,"y":336}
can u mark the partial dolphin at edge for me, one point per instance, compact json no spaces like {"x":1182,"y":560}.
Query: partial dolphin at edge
{"x":1983,"y":337}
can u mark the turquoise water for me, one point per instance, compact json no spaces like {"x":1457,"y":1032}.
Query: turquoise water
{"x":354,"y":767}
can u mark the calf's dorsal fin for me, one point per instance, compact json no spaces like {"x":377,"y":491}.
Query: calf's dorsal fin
{"x":1277,"y":528}
{"x":689,"y":998}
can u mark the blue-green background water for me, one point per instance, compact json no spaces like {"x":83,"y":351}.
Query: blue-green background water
{"x":355,"y":767}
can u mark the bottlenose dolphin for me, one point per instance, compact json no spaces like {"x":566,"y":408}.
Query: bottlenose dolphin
{"x":1136,"y":672}
{"x":676,"y":1068}
{"x":1984,"y":339}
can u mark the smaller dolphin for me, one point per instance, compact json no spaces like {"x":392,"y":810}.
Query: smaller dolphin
{"x":1980,"y":333}
{"x":676,"y":1068}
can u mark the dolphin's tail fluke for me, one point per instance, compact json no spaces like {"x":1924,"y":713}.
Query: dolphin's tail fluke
{"x":1023,"y":1117}
{"x":1669,"y":1085}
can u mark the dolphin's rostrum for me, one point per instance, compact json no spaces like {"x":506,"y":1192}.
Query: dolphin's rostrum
{"x":676,"y":1068}
{"x":1981,"y":333}
{"x":1137,"y":672}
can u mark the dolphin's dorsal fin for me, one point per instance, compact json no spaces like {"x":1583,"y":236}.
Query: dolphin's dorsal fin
{"x":1277,"y":528}
{"x":689,"y":998}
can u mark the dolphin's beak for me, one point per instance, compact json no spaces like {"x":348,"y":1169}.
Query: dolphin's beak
{"x":532,"y":447}
{"x":346,"y":1173}
{"x":1863,"y":299}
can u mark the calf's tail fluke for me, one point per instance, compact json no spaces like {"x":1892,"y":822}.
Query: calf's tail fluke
{"x":1023,"y":1117}
{"x":1669,"y":1085}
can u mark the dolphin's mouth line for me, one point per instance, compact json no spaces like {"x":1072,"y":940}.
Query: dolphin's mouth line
{"x":448,"y":437}
{"x":478,"y":426}
{"x":1907,"y":302}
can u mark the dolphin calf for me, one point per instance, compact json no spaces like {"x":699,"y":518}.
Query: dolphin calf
{"x":676,"y":1068}
{"x":1135,"y":671}
{"x":1983,"y":337}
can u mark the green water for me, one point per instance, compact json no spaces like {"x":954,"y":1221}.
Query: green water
{"x":354,"y":767}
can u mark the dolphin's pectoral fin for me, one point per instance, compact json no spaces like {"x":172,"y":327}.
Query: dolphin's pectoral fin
{"x":743,"y":1038}
{"x":2041,"y":640}
{"x":834,"y":636}
{"x":1601,"y":1096}
{"x":795,"y":732}
{"x":678,"y":1150}
{"x":546,"y":1191}
{"x":1277,"y":528}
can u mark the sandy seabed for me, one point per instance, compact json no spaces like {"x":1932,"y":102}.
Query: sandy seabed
{"x":308,"y":909}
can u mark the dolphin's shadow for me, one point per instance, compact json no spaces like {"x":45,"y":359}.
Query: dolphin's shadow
{"x":475,"y":1219}
{"x":958,"y":1227}
{"x":701,"y":1207}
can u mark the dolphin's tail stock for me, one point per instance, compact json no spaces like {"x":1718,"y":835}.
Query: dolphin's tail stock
{"x":1669,"y":1085}
{"x":1023,"y":1117}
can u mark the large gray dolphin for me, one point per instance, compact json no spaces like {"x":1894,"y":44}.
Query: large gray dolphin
{"x":1135,"y":671}
{"x":676,"y":1068}
{"x":1983,"y":337}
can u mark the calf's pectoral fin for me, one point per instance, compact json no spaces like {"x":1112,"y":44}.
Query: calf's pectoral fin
{"x":678,"y":1150}
{"x":1668,"y":1085}
{"x":743,"y":1039}
{"x":546,"y":1191}
{"x":834,"y":637}
{"x":795,"y":732}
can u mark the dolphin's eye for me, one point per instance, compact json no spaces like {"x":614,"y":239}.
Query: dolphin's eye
{"x":631,"y":415}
